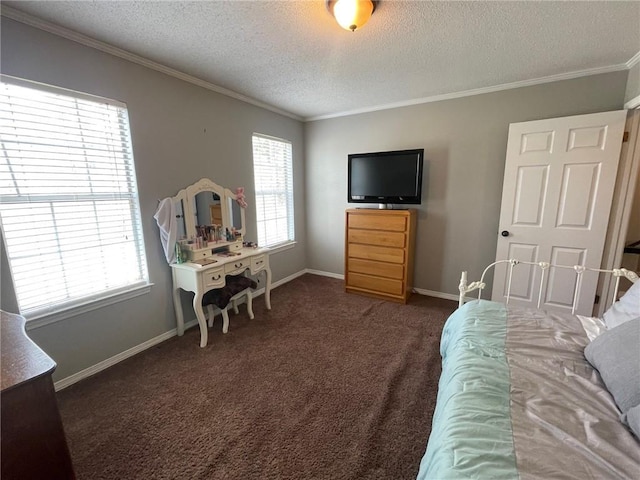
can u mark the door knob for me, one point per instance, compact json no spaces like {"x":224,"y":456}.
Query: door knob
{"x":505,"y":233}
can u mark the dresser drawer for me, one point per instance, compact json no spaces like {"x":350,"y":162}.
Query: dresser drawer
{"x":378,"y":222}
{"x":383,"y":239}
{"x":258,"y":263}
{"x":380,"y":269}
{"x":213,"y":278}
{"x":236,"y":267}
{"x":383,"y":254}
{"x":375,"y":284}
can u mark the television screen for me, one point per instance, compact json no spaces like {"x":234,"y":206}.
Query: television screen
{"x":386,"y":177}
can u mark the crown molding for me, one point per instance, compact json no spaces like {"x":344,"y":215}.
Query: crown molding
{"x":477,"y":91}
{"x":82,"y":39}
{"x":633,"y":60}
{"x":85,"y":40}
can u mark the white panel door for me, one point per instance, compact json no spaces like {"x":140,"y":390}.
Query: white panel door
{"x":558,"y":186}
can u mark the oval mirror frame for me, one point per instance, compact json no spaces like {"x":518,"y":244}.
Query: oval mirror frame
{"x":227,"y":201}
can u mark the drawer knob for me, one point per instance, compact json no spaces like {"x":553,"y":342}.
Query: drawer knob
{"x":217,"y":277}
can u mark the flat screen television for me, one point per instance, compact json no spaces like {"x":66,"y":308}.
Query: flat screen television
{"x":385,"y":178}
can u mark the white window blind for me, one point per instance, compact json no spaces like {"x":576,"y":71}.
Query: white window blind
{"x":68,"y":198}
{"x":273,"y":174}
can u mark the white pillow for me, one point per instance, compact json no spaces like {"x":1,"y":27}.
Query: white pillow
{"x":625,"y":309}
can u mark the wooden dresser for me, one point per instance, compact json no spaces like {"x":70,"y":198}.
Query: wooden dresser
{"x":379,"y":246}
{"x":33,"y":442}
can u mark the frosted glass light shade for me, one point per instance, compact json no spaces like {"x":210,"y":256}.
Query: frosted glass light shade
{"x":352,"y":14}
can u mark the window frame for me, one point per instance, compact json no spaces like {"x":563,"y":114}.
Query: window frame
{"x":291,"y":231}
{"x":46,"y":313}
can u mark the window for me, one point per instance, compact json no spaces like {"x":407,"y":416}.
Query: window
{"x":273,"y":173}
{"x":68,"y":198}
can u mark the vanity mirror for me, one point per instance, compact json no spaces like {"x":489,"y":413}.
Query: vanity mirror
{"x":205,"y":203}
{"x":207,"y":209}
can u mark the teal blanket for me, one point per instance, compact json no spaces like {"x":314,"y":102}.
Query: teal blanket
{"x":518,"y":399}
{"x":471,"y":434}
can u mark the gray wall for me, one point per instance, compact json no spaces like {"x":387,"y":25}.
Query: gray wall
{"x":465,"y":144}
{"x":633,"y":83}
{"x":180,"y":133}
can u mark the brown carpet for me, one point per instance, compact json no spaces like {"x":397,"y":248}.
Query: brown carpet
{"x":327,"y":385}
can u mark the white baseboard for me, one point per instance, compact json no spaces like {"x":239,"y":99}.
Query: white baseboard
{"x":287,"y":279}
{"x":432,"y":293}
{"x":98,"y":367}
{"x":419,"y":291}
{"x":324,"y":274}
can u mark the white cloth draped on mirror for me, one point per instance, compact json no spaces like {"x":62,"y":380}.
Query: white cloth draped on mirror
{"x":166,"y":218}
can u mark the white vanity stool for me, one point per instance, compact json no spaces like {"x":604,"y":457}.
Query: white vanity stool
{"x":234,"y":303}
{"x":238,"y":287}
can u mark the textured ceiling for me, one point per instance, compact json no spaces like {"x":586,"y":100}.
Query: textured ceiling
{"x":292,"y":54}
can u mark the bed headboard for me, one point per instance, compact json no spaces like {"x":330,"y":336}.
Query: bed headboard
{"x":465,"y":287}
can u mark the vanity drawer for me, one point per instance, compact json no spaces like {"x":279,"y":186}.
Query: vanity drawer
{"x":213,"y":278}
{"x":236,"y":267}
{"x":258,"y":262}
{"x":198,"y":254}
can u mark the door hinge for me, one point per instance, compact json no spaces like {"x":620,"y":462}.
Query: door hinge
{"x":625,"y":137}
{"x":597,"y":300}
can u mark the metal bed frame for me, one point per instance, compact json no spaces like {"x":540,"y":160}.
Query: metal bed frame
{"x":465,"y":288}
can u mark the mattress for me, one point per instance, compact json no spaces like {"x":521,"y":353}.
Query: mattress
{"x":517,"y":399}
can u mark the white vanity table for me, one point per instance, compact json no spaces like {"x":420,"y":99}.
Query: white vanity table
{"x":196,"y":205}
{"x":199,"y":280}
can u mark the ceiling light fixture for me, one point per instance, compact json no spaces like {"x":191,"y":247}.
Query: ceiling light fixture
{"x":351,"y":14}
